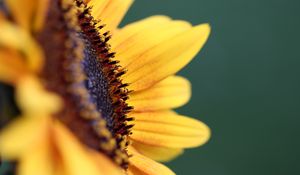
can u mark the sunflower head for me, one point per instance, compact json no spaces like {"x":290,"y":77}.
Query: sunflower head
{"x":89,"y":80}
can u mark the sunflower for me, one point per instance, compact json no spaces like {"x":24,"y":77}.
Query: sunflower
{"x":94,"y":98}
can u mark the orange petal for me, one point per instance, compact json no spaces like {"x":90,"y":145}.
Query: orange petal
{"x":22,"y":11}
{"x":132,"y":170}
{"x":28,"y":12}
{"x":12,"y":66}
{"x":41,"y":12}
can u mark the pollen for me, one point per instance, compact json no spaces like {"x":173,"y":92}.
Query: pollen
{"x":81,"y":68}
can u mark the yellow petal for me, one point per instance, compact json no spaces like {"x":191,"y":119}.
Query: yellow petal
{"x":157,"y":153}
{"x":110,"y":12}
{"x":127,"y":32}
{"x":28,"y":12}
{"x":12,"y":66}
{"x":37,"y":160}
{"x":171,"y":92}
{"x":97,"y":7}
{"x":15,"y":38}
{"x":135,"y":39}
{"x":33,"y":99}
{"x":167,"y":129}
{"x":141,"y":165}
{"x":75,"y":157}
{"x":166,"y":58}
{"x":21,"y":135}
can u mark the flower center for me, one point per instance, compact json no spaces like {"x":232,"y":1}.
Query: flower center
{"x":80,"y":68}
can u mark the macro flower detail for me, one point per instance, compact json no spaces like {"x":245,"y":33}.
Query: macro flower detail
{"x":94,"y":98}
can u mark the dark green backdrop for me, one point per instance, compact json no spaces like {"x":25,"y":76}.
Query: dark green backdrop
{"x":245,"y":84}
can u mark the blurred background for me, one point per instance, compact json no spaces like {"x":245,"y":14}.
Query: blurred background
{"x":245,"y":84}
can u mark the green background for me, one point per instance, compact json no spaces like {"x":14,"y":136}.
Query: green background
{"x":245,"y":84}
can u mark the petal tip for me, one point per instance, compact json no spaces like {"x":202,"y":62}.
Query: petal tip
{"x":208,"y":135}
{"x":204,"y":28}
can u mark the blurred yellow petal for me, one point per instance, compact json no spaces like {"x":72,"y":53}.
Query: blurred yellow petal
{"x":2,"y":16}
{"x":33,"y":99}
{"x":132,"y":170}
{"x":76,"y":159}
{"x":132,"y":41}
{"x":110,"y":12}
{"x":165,"y":58}
{"x":141,"y":165}
{"x":28,"y":12}
{"x":157,"y":153}
{"x":13,"y":37}
{"x":41,"y":12}
{"x":23,"y":11}
{"x":22,"y":134}
{"x":105,"y":164}
{"x":12,"y":66}
{"x":167,"y":129}
{"x":37,"y":161}
{"x":171,"y":92}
